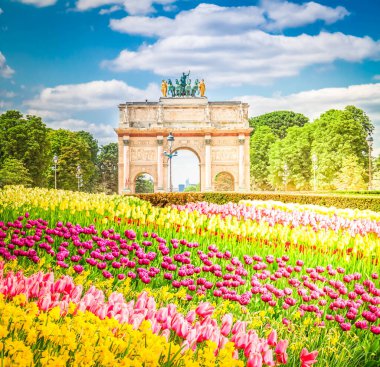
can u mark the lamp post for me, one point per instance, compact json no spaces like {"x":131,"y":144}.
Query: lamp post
{"x":314,"y":160}
{"x":170,"y":155}
{"x":55,"y":160}
{"x":285,"y":176}
{"x":369,"y":142}
{"x":79,"y":176}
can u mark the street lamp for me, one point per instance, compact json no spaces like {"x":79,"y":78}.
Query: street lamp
{"x":55,"y":160}
{"x":170,"y":155}
{"x":79,"y":176}
{"x":369,"y":142}
{"x":285,"y":176}
{"x":314,"y":159}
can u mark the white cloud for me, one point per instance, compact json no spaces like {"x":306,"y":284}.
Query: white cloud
{"x":210,"y":19}
{"x":5,"y":70}
{"x":89,"y":96}
{"x":234,"y":46}
{"x":130,"y":6}
{"x":38,"y":3}
{"x":253,"y":57}
{"x":284,"y":14}
{"x":1,"y":11}
{"x":314,"y":102}
{"x":112,"y":9}
{"x":59,"y":105}
{"x":205,"y":19}
{"x":7,"y":94}
{"x":104,"y":133}
{"x":92,"y":4}
{"x":4,"y":105}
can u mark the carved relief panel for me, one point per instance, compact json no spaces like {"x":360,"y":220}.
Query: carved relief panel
{"x":143,"y":155}
{"x":224,"y":154}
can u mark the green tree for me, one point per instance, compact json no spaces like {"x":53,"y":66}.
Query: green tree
{"x":93,"y":147}
{"x":72,"y":150}
{"x":144,"y":183}
{"x":294,"y":152}
{"x":360,"y":116}
{"x":92,"y":144}
{"x":192,"y":188}
{"x":261,"y":142}
{"x":25,"y":139}
{"x":351,"y":175}
{"x":339,"y":134}
{"x":276,"y":165}
{"x":107,"y":167}
{"x":278,"y":121}
{"x":13,"y":172}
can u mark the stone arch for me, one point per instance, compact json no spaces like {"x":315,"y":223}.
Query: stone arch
{"x":224,"y":181}
{"x":216,"y":132}
{"x":193,"y":150}
{"x":142,"y":173}
{"x":196,"y":153}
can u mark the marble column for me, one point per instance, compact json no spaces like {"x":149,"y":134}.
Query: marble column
{"x":208,"y":163}
{"x":241,"y":162}
{"x":160,"y":163}
{"x":126,"y":181}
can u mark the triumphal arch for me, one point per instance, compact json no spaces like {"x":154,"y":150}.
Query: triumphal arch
{"x":217,"y":132}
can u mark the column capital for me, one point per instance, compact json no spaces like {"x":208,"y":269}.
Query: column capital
{"x":160,"y":141}
{"x":208,"y":139}
{"x":126,"y":141}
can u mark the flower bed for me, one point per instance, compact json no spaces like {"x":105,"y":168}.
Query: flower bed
{"x":215,"y":299}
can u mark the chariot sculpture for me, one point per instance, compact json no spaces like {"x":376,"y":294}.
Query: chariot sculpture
{"x":183,"y":87}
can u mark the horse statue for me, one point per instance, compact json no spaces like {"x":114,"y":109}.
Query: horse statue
{"x":178,"y":88}
{"x":195,"y":89}
{"x":188,"y":87}
{"x":171,"y":88}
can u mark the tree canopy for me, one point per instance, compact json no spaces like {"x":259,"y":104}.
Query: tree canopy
{"x":261,"y":143}
{"x":107,"y":166}
{"x":13,"y":172}
{"x":72,"y":151}
{"x":339,"y":134}
{"x":278,"y":121}
{"x":25,"y":139}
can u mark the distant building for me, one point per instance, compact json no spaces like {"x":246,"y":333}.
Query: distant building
{"x":181,"y":187}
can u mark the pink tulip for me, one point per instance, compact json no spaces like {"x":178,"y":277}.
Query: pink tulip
{"x":272,"y":338}
{"x":204,"y":309}
{"x":280,"y":351}
{"x":227,"y":322}
{"x":255,"y":360}
{"x":308,"y":359}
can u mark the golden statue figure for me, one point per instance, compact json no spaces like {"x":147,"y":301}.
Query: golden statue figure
{"x":164,"y":88}
{"x":202,"y":88}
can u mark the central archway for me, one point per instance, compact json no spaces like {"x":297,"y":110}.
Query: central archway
{"x":186,"y":171}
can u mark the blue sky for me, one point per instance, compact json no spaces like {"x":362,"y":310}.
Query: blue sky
{"x":73,"y":61}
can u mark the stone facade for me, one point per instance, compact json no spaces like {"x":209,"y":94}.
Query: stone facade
{"x":217,"y":132}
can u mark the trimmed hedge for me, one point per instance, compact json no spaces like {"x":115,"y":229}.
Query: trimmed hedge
{"x":338,"y":201}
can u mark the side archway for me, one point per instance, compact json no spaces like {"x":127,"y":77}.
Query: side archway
{"x":143,"y":183}
{"x":224,"y":181}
